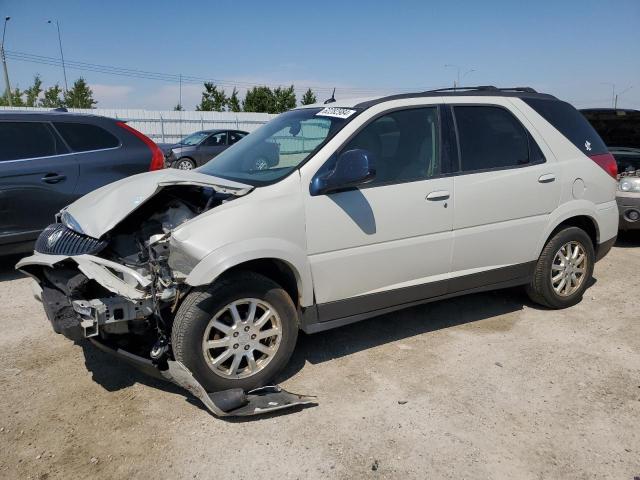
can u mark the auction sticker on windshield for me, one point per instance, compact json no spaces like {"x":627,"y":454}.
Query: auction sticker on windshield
{"x":335,"y":112}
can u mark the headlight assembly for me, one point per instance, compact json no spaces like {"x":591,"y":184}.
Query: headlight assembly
{"x":629,"y":184}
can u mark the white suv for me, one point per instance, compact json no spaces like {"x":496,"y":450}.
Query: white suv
{"x":327,"y":215}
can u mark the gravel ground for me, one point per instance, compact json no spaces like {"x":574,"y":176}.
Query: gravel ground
{"x":483,"y":386}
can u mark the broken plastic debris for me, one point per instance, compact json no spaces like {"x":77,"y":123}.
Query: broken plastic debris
{"x":234,"y":402}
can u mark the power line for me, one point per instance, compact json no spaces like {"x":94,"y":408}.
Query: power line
{"x":184,"y":79}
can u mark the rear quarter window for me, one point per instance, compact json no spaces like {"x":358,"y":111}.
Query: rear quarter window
{"x":83,"y":137}
{"x":571,"y":123}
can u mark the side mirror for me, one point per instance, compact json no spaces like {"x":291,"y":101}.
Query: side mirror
{"x":351,"y":169}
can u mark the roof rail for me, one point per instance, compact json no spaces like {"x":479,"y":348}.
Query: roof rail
{"x":484,"y":88}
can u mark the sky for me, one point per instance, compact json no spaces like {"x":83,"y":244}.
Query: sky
{"x":574,"y":49}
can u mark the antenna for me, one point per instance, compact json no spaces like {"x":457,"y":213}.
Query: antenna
{"x":333,"y":97}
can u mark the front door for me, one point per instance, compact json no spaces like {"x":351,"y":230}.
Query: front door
{"x":211,"y":146}
{"x":388,"y":242}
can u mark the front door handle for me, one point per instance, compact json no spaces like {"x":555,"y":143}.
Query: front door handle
{"x":53,"y":178}
{"x":438,"y":195}
{"x":547,"y":178}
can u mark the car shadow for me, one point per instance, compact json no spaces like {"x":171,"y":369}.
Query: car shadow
{"x":628,"y":239}
{"x":114,"y":374}
{"x":403,"y":324}
{"x":8,"y":268}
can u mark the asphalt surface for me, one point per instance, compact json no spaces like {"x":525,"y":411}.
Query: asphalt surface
{"x":483,"y":386}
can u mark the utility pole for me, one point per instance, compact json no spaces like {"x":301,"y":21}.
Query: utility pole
{"x":64,"y":69}
{"x":613,"y":93}
{"x":456,"y":83}
{"x":4,"y":64}
{"x":180,"y":93}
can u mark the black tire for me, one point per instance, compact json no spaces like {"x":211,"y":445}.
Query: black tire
{"x":199,"y":307}
{"x":541,"y":290}
{"x":185,"y":160}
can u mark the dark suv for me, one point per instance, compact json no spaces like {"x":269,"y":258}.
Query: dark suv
{"x":620,"y":130}
{"x":49,"y":159}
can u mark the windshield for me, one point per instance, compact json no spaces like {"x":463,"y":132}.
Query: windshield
{"x":278,"y":147}
{"x":194,"y":138}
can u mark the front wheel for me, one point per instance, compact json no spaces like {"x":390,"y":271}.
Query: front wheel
{"x":237,"y":333}
{"x":185,"y":164}
{"x":564,"y":269}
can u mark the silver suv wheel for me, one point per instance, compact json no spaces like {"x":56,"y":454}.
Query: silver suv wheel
{"x":185,"y":165}
{"x":568,"y":268}
{"x":242,"y":338}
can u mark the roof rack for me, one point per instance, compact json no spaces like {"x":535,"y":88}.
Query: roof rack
{"x":484,"y":88}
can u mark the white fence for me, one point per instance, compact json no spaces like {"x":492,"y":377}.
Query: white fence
{"x":169,"y":126}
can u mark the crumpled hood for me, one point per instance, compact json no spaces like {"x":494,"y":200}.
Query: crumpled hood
{"x":101,"y":210}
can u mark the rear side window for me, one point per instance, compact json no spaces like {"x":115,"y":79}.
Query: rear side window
{"x":491,"y":137}
{"x":82,"y":137}
{"x":568,"y":121}
{"x":19,"y":140}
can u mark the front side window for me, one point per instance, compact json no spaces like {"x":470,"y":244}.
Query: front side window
{"x":83,"y":137}
{"x":236,"y":137}
{"x":404,"y":144}
{"x":277,"y":148}
{"x":491,"y":137}
{"x":216,"y":140}
{"x":20,"y":140}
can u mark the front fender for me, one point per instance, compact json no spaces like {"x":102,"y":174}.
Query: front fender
{"x":236,"y":253}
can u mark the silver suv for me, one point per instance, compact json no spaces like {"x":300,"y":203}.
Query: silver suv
{"x":370,"y":206}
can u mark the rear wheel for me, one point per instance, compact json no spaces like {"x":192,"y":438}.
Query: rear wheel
{"x":564,"y":269}
{"x":236,"y":333}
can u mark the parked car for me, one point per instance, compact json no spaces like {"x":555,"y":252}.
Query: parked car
{"x":198,"y":148}
{"x":393,"y":201}
{"x":620,"y":130}
{"x":49,"y":159}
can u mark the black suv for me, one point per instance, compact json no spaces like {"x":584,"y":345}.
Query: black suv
{"x":49,"y":159}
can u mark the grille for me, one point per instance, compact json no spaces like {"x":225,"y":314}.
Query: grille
{"x":57,"y":239}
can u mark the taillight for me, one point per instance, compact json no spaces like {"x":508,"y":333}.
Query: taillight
{"x":157,"y":157}
{"x":607,"y":162}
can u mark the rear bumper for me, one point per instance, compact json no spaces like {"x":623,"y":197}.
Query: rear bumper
{"x":628,"y":203}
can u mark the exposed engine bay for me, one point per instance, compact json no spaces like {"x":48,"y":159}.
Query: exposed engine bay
{"x":122,"y":287}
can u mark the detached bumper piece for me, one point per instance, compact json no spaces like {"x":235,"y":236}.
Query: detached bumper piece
{"x":235,"y":402}
{"x":227,"y":403}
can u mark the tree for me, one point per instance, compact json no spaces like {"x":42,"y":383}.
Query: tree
{"x":285,"y":99}
{"x":213,"y":99}
{"x":178,"y":108}
{"x":308,"y":98}
{"x":80,"y":95}
{"x":234,"y":101}
{"x":51,"y":97}
{"x":259,"y":99}
{"x":34,"y":91}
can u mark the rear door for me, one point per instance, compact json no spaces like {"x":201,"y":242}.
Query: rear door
{"x":105,"y":152}
{"x":505,"y":188}
{"x":38,"y":177}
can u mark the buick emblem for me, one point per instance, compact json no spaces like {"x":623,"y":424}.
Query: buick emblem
{"x":53,"y":238}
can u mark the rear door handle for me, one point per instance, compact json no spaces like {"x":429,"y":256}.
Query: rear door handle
{"x":53,"y":178}
{"x":547,"y":178}
{"x":438,"y":195}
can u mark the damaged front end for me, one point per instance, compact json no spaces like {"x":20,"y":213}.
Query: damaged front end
{"x":103,"y":273}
